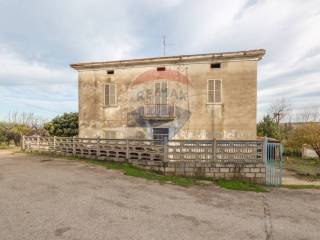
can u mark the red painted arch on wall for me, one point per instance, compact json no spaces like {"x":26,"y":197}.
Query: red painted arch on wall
{"x":168,"y":74}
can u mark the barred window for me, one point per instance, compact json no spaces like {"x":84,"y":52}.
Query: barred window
{"x":214,"y":89}
{"x":110,"y":94}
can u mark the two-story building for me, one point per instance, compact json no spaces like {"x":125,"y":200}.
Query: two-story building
{"x":201,"y":96}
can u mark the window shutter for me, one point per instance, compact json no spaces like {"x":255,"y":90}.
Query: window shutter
{"x":214,"y":91}
{"x":164,"y":93}
{"x":210,"y":91}
{"x":157,"y":90}
{"x":106,"y":95}
{"x":217,"y":88}
{"x":112,"y":93}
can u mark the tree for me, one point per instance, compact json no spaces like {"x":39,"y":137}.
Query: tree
{"x":267,"y":127}
{"x":309,"y":114}
{"x":28,"y":122}
{"x":279,"y":109}
{"x":11,"y":132}
{"x":308,"y":130}
{"x":64,"y":126}
{"x":307,"y":133}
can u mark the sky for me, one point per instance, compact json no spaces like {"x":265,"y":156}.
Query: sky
{"x":39,"y":39}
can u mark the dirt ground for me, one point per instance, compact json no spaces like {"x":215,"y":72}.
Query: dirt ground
{"x":45,"y":198}
{"x":290,"y":178}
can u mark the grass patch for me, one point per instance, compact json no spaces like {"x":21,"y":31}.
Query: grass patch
{"x":240,"y":185}
{"x":4,"y":146}
{"x":301,"y":186}
{"x":130,"y":170}
{"x":304,"y":167}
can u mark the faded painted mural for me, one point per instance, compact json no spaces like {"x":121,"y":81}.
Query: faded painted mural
{"x":175,"y":89}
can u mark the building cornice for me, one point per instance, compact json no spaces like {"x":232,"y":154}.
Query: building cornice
{"x":209,"y":57}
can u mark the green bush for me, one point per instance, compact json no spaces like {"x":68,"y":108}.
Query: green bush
{"x":63,"y":126}
{"x":11,"y":132}
{"x":292,"y":152}
{"x":267,"y":127}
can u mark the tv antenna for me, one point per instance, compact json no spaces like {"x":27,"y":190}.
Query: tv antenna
{"x":165,"y":44}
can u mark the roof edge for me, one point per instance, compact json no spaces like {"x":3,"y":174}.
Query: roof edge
{"x":249,"y":54}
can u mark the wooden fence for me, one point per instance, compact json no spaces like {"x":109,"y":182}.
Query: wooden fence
{"x":220,"y":151}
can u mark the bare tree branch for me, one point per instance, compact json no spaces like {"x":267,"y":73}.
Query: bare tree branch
{"x":279,"y":109}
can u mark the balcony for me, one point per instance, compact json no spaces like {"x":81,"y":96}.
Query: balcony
{"x":164,"y":112}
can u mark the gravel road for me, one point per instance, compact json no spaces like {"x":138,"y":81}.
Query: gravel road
{"x":47,"y":198}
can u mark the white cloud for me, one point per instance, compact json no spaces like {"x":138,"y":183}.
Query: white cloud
{"x":287,"y":29}
{"x":159,"y":5}
{"x":17,"y":70}
{"x":32,"y":86}
{"x":49,"y":35}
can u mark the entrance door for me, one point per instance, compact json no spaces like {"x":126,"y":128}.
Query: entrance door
{"x":160,"y":135}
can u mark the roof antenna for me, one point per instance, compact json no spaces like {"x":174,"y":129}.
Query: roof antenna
{"x":165,"y":44}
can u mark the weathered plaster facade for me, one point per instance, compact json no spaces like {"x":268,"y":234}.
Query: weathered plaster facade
{"x":185,"y":80}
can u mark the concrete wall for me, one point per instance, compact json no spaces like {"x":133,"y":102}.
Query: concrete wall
{"x":255,"y":172}
{"x":308,"y":152}
{"x":235,"y":118}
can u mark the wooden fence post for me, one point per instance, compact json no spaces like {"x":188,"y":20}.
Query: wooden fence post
{"x":74,"y":145}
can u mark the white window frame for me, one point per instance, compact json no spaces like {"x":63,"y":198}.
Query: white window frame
{"x":214,"y":91}
{"x":115,"y":95}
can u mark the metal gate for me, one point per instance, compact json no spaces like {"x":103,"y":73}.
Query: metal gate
{"x":274,"y":162}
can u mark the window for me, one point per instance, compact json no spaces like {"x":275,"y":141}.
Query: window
{"x":110,"y":134}
{"x":160,"y":92}
{"x":160,"y":135}
{"x":215,"y":65}
{"x":110,"y":94}
{"x":161,"y":68}
{"x":214,"y":88}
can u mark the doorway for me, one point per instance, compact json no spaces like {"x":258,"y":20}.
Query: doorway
{"x":160,"y":136}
